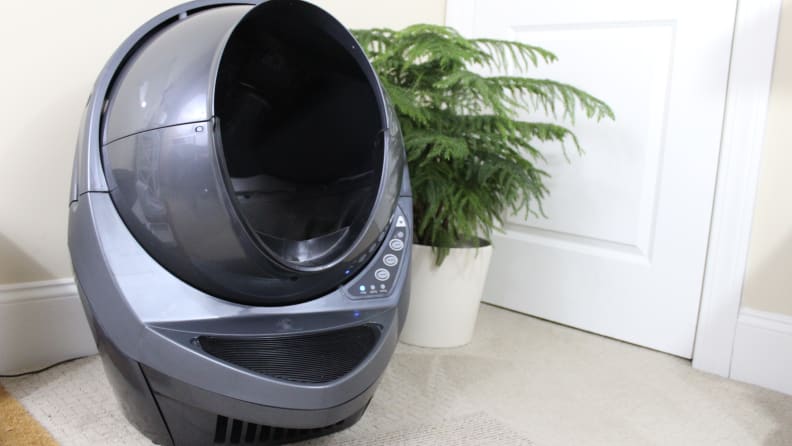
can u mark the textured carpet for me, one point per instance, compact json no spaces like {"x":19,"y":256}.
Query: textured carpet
{"x":18,"y":427}
{"x":522,"y":380}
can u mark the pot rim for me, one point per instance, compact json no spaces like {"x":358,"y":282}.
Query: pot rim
{"x":483,"y":243}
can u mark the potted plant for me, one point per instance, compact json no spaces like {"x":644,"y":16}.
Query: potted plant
{"x":471,"y":158}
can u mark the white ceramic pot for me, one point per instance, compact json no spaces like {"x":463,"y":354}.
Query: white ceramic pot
{"x":444,"y":300}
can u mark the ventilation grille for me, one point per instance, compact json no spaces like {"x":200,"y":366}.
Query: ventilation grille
{"x":312,"y":358}
{"x":231,"y":431}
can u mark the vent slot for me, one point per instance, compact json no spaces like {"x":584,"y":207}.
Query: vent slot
{"x":312,"y":358}
{"x":220,"y":430}
{"x":250,"y":435}
{"x":269,"y":435}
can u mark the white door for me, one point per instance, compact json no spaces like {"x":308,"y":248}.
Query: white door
{"x":622,"y":252}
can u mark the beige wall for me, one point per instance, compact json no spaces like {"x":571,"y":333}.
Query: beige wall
{"x":768,"y":283}
{"x":385,"y":13}
{"x":52,"y":52}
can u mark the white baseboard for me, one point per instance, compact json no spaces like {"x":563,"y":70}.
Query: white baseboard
{"x":763,"y":350}
{"x":41,"y":323}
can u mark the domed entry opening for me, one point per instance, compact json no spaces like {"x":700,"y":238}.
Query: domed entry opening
{"x":300,"y":131}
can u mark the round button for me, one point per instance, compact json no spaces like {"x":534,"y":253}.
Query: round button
{"x":390,"y":260}
{"x":396,"y":244}
{"x":382,"y":274}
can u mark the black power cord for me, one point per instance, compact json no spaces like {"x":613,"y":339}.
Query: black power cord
{"x":43,"y":369}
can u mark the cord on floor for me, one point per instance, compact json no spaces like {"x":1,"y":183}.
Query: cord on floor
{"x":17,"y":375}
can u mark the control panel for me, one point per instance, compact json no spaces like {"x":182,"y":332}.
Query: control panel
{"x":384,"y":268}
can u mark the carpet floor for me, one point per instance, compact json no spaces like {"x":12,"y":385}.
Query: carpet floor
{"x":521,"y":381}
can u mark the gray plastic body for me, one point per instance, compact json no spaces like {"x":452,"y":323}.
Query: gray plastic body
{"x":165,"y":250}
{"x":164,"y":163}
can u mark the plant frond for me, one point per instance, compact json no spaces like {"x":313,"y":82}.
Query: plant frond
{"x":473,"y":141}
{"x":516,"y":55}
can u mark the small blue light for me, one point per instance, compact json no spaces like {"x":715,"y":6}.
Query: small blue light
{"x":356,"y":314}
{"x":362,"y":287}
{"x":347,"y":272}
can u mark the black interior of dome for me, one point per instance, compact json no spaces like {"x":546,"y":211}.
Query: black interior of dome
{"x":300,"y":132}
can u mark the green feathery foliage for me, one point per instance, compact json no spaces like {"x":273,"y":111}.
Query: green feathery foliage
{"x":470,"y":158}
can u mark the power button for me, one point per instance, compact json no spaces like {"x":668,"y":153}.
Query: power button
{"x":396,"y":244}
{"x":390,"y":260}
{"x":382,"y":274}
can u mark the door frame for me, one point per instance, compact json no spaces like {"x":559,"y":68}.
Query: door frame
{"x":742,"y":139}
